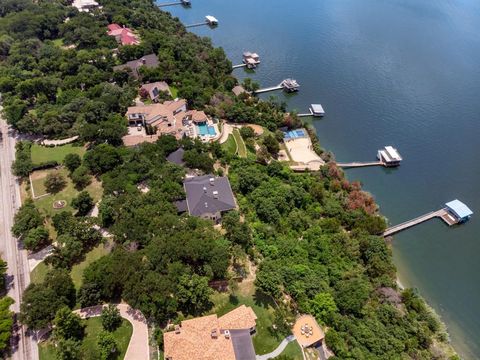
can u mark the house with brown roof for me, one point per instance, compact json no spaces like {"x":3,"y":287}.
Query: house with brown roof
{"x":167,"y":117}
{"x":213,"y":338}
{"x":153,"y":90}
{"x":149,"y":61}
{"x":123,"y":35}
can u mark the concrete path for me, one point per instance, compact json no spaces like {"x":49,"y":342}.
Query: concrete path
{"x":227,"y":129}
{"x":138,"y":348}
{"x":36,"y":258}
{"x":278,"y":350}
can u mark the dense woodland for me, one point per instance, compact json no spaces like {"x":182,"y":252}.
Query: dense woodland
{"x":314,"y":236}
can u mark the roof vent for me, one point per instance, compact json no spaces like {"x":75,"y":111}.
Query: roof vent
{"x":215,"y":194}
{"x":144,"y":61}
{"x":205,"y":189}
{"x":177,"y":329}
{"x":227,"y":334}
{"x":206,"y":204}
{"x":212,"y":181}
{"x":214,"y":334}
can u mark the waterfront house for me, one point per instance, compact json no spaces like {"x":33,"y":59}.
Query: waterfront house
{"x":149,"y":61}
{"x":153,"y":90}
{"x":165,"y":117}
{"x":210,"y":337}
{"x":123,"y":35}
{"x":238,"y":90}
{"x":208,"y":197}
{"x":459,"y":210}
{"x":389,"y":156}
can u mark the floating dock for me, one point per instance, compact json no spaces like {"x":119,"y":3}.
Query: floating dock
{"x":315,"y":110}
{"x":388,"y":157}
{"x":209,"y":20}
{"x":288,"y":85}
{"x":454,"y":212}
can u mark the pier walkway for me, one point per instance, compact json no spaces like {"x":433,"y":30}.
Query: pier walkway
{"x":272,"y":88}
{"x":360,"y":164}
{"x":197,"y":24}
{"x":238,"y":66}
{"x":442,"y":213}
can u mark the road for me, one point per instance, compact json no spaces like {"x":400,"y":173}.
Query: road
{"x":24,"y":347}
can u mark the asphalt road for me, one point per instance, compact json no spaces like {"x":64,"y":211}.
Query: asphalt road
{"x":24,"y":347}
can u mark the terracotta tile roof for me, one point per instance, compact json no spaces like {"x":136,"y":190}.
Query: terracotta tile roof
{"x":194,"y":339}
{"x":242,"y":317}
{"x":197,"y":116}
{"x":123,"y":35}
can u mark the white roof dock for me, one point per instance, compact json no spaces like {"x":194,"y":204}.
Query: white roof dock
{"x":461,"y":210}
{"x":393,"y":153}
{"x":317,"y":109}
{"x":211,"y":19}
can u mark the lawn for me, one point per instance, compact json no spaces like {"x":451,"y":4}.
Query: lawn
{"x":42,"y":154}
{"x":265,"y":340}
{"x":45,"y":204}
{"x":90,"y":349}
{"x":77,"y":270}
{"x":242,"y":149}
{"x":38,"y":273}
{"x":230,"y":146}
{"x":293,"y":351}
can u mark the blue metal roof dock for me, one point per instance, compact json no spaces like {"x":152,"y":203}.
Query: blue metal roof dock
{"x":459,"y":209}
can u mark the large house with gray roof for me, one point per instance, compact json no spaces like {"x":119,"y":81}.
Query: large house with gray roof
{"x":207,"y":197}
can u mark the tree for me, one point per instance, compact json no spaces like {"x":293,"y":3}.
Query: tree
{"x":102,"y":158}
{"x":351,"y":295}
{"x":193,"y":294}
{"x":27,"y":218}
{"x":108,"y":346}
{"x":72,"y":162}
{"x":36,"y":239}
{"x":6,"y":322}
{"x":69,"y":349}
{"x":111,"y":318}
{"x":250,"y":85}
{"x":3,"y":273}
{"x":54,"y":182}
{"x":80,"y":177}
{"x":67,"y":325}
{"x":272,"y":145}
{"x":247,"y":132}
{"x":83,"y":203}
{"x":323,"y":307}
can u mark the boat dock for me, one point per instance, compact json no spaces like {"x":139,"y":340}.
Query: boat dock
{"x":388,"y":157}
{"x":209,"y":20}
{"x":181,"y":2}
{"x":454,"y":212}
{"x":315,"y":110}
{"x":289,"y":85}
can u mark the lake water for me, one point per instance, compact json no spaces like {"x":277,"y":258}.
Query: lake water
{"x":388,"y":72}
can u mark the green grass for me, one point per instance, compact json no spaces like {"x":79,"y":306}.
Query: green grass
{"x":293,"y":351}
{"x":45,"y":204}
{"x":174,"y":91}
{"x":77,"y":270}
{"x":90,"y":349}
{"x":38,"y":273}
{"x":230,"y":146}
{"x":44,"y":153}
{"x":242,"y":149}
{"x":266,"y":339}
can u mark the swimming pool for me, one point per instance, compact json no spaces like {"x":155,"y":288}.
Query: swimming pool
{"x":204,"y":130}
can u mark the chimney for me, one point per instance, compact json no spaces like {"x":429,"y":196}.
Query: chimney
{"x":205,"y":189}
{"x":215,"y":194}
{"x":227,"y":334}
{"x":212,"y":181}
{"x":214,"y":334}
{"x":177,"y":329}
{"x":144,"y":61}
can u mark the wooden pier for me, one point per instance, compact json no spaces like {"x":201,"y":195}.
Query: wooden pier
{"x":272,"y":88}
{"x":360,"y":164}
{"x":442,"y":213}
{"x":238,"y":66}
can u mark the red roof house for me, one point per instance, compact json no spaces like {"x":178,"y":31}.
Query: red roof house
{"x":123,"y":35}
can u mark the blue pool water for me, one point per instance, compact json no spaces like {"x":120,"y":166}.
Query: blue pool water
{"x":204,"y":130}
